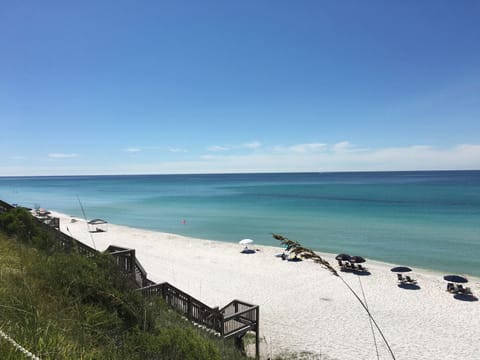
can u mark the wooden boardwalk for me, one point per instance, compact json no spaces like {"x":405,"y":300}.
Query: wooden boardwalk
{"x":233,"y":320}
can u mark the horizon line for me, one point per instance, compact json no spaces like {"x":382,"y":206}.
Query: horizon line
{"x":242,"y":173}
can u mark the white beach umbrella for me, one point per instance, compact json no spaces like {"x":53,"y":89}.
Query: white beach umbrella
{"x":245,"y":241}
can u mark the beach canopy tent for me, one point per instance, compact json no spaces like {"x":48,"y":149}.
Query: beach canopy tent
{"x":455,"y":278}
{"x":401,"y":269}
{"x":97,"y":225}
{"x":40,"y":212}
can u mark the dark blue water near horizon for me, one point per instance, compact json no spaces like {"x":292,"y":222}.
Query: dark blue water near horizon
{"x":427,"y":219}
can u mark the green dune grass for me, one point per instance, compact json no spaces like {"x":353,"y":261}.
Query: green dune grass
{"x":65,"y":306}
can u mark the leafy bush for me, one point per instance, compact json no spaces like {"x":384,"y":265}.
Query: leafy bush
{"x":21,"y":225}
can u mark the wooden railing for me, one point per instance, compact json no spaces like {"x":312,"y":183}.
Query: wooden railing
{"x":234,"y":319}
{"x":191,"y":308}
{"x":129,"y":264}
{"x":239,"y":317}
{"x":66,"y":242}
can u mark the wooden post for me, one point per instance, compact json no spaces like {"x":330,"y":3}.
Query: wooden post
{"x":164,"y":292}
{"x":131,"y":268}
{"x":257,"y":333}
{"x":222,"y":325}
{"x":189,"y":308}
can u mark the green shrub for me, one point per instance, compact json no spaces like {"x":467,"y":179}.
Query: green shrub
{"x":66,"y":306}
{"x":20,"y":224}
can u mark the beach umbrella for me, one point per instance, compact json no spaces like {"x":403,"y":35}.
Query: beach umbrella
{"x":400,"y":269}
{"x":245,"y":241}
{"x":357,"y":259}
{"x":455,"y":278}
{"x":342,"y":257}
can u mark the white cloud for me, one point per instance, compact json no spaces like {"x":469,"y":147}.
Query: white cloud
{"x":62,"y":156}
{"x":176,"y":150}
{"x":307,"y":148}
{"x":421,"y":157}
{"x":252,"y":145}
{"x":415,"y":157}
{"x":313,"y":158}
{"x":218,"y":148}
{"x":208,"y":157}
{"x":342,"y":146}
{"x":132,"y":150}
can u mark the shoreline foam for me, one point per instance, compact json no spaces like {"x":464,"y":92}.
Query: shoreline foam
{"x":302,"y":306}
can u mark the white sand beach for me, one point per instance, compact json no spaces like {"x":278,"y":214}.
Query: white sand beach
{"x":303,"y":307}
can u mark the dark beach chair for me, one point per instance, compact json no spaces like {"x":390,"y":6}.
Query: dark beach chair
{"x":361,"y":268}
{"x":451,"y":288}
{"x":340,"y":263}
{"x":410,"y":280}
{"x":460,"y":289}
{"x":468,"y":291}
{"x":400,"y":278}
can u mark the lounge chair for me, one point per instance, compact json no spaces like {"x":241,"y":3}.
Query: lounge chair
{"x":361,"y":268}
{"x":295,"y":258}
{"x":451,"y":287}
{"x":400,"y":278}
{"x":340,"y":263}
{"x":410,"y":280}
{"x":460,"y":289}
{"x":468,"y":291}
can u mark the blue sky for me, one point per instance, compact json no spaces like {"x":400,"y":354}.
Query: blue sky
{"x":121,"y":87}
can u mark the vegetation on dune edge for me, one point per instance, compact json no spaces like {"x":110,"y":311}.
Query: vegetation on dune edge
{"x":66,"y":306}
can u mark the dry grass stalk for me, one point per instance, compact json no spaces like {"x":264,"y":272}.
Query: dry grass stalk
{"x":296,"y":248}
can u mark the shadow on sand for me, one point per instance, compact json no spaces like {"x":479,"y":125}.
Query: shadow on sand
{"x":355,"y":271}
{"x":362,"y":273}
{"x":465,"y":297}
{"x":248,"y":251}
{"x":409,"y":286}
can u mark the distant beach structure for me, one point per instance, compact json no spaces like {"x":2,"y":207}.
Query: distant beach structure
{"x":98,"y":225}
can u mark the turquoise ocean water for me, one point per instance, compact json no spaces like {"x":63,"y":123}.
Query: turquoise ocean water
{"x":421,"y":219}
